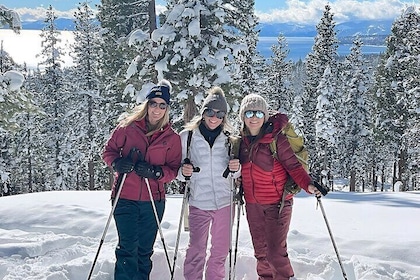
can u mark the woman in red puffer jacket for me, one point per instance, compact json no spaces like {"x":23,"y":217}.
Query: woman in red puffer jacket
{"x":263,"y":180}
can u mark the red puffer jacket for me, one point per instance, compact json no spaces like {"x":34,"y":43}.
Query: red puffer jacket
{"x":163,"y":148}
{"x":263,"y":177}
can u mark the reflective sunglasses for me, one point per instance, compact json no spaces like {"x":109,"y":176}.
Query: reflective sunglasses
{"x":211,"y":113}
{"x":154,"y":104}
{"x":258,"y":114}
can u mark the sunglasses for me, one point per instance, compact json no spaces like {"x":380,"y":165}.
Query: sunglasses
{"x":211,"y":113}
{"x":258,"y":114}
{"x":154,"y":104}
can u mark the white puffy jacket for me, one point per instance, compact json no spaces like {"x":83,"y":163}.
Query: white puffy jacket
{"x":209,"y":190}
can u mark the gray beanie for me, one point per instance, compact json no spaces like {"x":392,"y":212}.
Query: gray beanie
{"x":215,"y":100}
{"x":253,"y":102}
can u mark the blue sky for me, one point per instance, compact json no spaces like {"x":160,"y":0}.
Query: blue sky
{"x":296,"y":11}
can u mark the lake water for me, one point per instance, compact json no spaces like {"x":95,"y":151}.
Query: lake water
{"x":300,"y":46}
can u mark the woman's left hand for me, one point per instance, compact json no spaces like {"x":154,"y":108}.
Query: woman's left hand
{"x":312,"y":189}
{"x":234,"y":165}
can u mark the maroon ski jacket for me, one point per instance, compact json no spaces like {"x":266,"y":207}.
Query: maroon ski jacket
{"x":163,"y":148}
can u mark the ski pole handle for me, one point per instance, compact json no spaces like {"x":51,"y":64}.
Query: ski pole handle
{"x":195,"y":169}
{"x":323,"y":189}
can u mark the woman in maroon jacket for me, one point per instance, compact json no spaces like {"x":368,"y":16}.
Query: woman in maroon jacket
{"x":157,"y":158}
{"x":263,"y":180}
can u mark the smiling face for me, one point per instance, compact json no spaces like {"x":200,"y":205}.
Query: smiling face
{"x":254,"y":120}
{"x":156,"y":109}
{"x":213,"y":118}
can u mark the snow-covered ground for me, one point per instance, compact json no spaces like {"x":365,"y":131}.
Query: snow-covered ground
{"x":55,"y":236}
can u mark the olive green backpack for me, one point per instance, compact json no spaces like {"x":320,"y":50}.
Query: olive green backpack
{"x":297,"y":144}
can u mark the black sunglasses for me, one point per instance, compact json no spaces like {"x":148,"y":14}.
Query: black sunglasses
{"x":154,"y":104}
{"x":211,"y":113}
{"x":258,"y":114}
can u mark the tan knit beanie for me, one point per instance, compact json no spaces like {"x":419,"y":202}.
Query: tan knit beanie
{"x":253,"y":102}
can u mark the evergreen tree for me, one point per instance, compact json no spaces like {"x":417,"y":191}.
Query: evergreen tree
{"x":326,"y":124}
{"x":323,"y":55}
{"x":355,"y":148}
{"x":88,"y":115}
{"x":54,"y":102}
{"x":279,"y":88}
{"x":248,"y":64}
{"x":397,"y":90}
{"x":192,"y":50}
{"x":118,"y":20}
{"x":10,"y":18}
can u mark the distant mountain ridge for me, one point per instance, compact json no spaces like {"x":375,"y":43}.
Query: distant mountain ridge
{"x":60,"y":23}
{"x":346,"y":29}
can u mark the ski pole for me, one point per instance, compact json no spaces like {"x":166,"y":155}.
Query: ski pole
{"x":119,"y":186}
{"x":239,"y":202}
{"x":331,"y":236}
{"x":184,"y":203}
{"x":183,"y":211}
{"x":158,"y":223}
{"x":232,"y":213}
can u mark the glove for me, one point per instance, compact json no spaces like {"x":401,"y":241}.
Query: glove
{"x":146,"y":170}
{"x":123,"y":165}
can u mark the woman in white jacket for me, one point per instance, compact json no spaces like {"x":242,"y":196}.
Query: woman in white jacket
{"x":210,"y":191}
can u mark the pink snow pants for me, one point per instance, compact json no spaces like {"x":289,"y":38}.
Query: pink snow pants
{"x":269,"y":237}
{"x":217,"y":222}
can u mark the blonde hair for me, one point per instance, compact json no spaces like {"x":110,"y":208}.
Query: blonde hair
{"x":140,"y":112}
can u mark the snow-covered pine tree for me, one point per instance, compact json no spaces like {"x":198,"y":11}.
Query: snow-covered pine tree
{"x":323,"y":54}
{"x":397,"y":89}
{"x":248,"y":64}
{"x":192,"y":51}
{"x":26,"y":140}
{"x":13,"y":99}
{"x":89,"y":116}
{"x":326,"y":125}
{"x":53,"y":99}
{"x":279,"y":89}
{"x":11,"y":18}
{"x":355,"y":150}
{"x":118,"y":19}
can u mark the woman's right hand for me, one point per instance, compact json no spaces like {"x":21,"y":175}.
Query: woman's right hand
{"x":187,"y":170}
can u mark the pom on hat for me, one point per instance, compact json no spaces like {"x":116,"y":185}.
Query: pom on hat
{"x":162,"y":90}
{"x":215,"y":100}
{"x":253,"y":102}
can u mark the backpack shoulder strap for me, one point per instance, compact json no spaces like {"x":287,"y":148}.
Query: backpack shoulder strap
{"x":273,"y":147}
{"x":235,"y":142}
{"x":190,"y":132}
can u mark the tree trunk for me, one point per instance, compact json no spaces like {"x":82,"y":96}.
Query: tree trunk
{"x":352,"y":181}
{"x":190,"y":109}
{"x":91,"y":172}
{"x":383,"y":178}
{"x":402,"y":163}
{"x":152,"y":16}
{"x":394,"y":175}
{"x":374,"y":178}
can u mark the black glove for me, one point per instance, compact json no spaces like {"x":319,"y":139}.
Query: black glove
{"x":146,"y":170}
{"x":123,"y":165}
